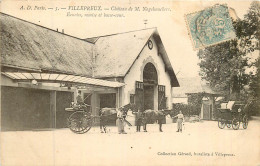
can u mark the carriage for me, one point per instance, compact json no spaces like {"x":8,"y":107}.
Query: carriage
{"x":232,"y":114}
{"x":81,"y":120}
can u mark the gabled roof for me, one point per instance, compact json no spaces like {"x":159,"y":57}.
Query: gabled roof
{"x":189,"y":85}
{"x":115,"y":54}
{"x":27,"y":45}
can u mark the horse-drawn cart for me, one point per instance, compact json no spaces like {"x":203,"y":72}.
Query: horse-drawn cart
{"x":81,"y":120}
{"x":232,"y":113}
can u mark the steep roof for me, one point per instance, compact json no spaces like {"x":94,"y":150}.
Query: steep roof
{"x":31,"y":46}
{"x":116,"y":53}
{"x":27,"y":45}
{"x":191,"y":85}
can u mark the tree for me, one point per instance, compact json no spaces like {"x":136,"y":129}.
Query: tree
{"x":223,"y":65}
{"x":254,"y":90}
{"x":248,"y":30}
{"x":195,"y":101}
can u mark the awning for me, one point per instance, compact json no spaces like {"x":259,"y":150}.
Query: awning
{"x":60,"y":78}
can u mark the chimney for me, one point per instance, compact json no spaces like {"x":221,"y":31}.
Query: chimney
{"x":57,"y":30}
{"x":62,"y":31}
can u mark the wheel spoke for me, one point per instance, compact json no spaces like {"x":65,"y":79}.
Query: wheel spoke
{"x":80,"y":122}
{"x":235,"y":124}
{"x":245,"y":122}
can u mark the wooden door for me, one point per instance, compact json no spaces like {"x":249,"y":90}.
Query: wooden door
{"x":63,"y":100}
{"x":206,"y":111}
{"x":161,"y":97}
{"x":139,"y":95}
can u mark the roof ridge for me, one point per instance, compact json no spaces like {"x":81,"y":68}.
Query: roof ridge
{"x":44,"y":27}
{"x":120,"y":33}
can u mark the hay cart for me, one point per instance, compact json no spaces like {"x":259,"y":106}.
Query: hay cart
{"x":231,"y":114}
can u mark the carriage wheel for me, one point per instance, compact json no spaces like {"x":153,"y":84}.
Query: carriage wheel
{"x":75,"y":122}
{"x":87,"y":123}
{"x":235,"y":124}
{"x":228,"y":125}
{"x":245,"y":122}
{"x":75,"y":126}
{"x":79,"y":122}
{"x":221,"y":124}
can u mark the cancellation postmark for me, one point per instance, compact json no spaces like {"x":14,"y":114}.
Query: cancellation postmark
{"x":210,"y":26}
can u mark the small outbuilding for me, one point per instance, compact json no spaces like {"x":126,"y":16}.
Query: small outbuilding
{"x":194,"y":85}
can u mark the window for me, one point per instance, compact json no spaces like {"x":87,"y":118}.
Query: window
{"x":139,"y":85}
{"x":161,"y":88}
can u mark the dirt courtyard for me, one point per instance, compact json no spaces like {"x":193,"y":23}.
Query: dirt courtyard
{"x":201,"y":143}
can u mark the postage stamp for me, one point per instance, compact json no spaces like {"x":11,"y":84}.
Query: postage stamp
{"x":210,"y":26}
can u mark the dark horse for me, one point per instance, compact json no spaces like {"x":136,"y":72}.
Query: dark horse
{"x":110,"y":114}
{"x":151,"y":116}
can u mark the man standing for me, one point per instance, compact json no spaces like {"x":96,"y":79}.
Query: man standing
{"x":120,"y":122}
{"x":138,"y":118}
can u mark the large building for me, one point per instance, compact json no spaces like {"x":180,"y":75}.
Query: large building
{"x":42,"y":69}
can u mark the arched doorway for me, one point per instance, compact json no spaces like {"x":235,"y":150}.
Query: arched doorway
{"x":150,"y":80}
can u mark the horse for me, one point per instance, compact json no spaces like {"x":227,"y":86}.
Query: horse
{"x":110,"y":114}
{"x":151,"y":116}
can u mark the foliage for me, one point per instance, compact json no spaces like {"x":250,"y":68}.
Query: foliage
{"x":223,"y":65}
{"x":186,"y":109}
{"x":195,"y":101}
{"x":252,"y":19}
{"x":248,"y":30}
{"x":254,"y":87}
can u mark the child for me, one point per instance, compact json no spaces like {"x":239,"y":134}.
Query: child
{"x":180,"y":120}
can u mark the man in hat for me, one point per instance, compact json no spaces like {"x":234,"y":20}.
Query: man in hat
{"x":80,"y":102}
{"x":79,"y":99}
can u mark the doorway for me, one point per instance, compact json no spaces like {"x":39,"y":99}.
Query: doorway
{"x":108,"y":100}
{"x":150,"y":80}
{"x":148,"y":97}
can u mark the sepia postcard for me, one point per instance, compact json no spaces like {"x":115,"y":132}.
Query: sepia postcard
{"x":130,"y":83}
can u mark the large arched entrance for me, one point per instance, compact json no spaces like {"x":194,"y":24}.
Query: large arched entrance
{"x":150,"y":80}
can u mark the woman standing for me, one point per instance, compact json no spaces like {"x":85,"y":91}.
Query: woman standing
{"x":180,"y":120}
{"x":120,"y":122}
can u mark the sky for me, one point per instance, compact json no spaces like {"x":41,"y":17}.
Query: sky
{"x":171,"y":24}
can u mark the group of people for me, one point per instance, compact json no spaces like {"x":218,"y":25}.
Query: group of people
{"x":139,"y":118}
{"x":138,"y":115}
